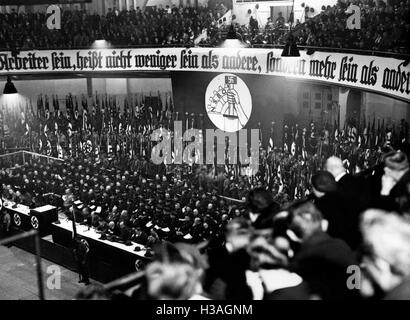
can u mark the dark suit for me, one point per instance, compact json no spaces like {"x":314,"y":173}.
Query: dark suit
{"x":225,"y":277}
{"x":343,"y":222}
{"x":356,"y":197}
{"x":322,"y":262}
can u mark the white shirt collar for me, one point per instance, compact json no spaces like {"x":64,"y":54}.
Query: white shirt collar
{"x":253,"y":216}
{"x":340,"y":176}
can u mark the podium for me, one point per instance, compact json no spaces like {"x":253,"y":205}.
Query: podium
{"x":24,"y":218}
{"x":42,"y":217}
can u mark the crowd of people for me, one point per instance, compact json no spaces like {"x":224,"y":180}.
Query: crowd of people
{"x":79,"y":29}
{"x":299,"y":218}
{"x":348,"y":241}
{"x":384,"y":26}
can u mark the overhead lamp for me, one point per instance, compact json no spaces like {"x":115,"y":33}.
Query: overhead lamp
{"x":231,"y":34}
{"x":9,"y":88}
{"x":310,"y":51}
{"x":233,"y":39}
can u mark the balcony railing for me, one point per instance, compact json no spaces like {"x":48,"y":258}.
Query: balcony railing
{"x":265,"y":46}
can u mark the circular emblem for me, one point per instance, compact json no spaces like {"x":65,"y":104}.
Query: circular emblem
{"x":34,"y":222}
{"x":86,"y":244}
{"x":17,"y":219}
{"x":228,"y":102}
{"x":138,"y":265}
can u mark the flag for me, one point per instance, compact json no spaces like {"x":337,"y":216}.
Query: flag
{"x":335,"y":132}
{"x":60,"y":151}
{"x":202,"y":36}
{"x":382,"y":134}
{"x":84,"y":104}
{"x":47,"y":108}
{"x":40,"y":107}
{"x":285,"y":147}
{"x":364,"y":133}
{"x":373,"y":134}
{"x":272,"y":138}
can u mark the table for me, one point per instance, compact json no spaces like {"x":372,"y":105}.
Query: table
{"x":108,"y":259}
{"x":26,"y":219}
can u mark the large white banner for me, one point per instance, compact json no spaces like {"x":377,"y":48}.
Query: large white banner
{"x":384,"y":75}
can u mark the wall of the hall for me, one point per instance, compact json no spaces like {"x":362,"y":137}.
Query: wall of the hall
{"x":385,"y":108}
{"x":77,"y":87}
{"x":367,"y":105}
{"x":275,"y":99}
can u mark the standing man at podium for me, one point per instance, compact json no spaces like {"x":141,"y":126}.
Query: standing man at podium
{"x":5,"y":222}
{"x":81,"y":251}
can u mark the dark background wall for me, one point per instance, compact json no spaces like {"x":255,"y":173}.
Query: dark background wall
{"x":272,"y":99}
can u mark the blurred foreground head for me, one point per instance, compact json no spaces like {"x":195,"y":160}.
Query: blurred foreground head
{"x":237,"y":234}
{"x":386,"y":238}
{"x":335,"y":166}
{"x":395,"y":164}
{"x":260,"y":202}
{"x":176,"y":272}
{"x":305,"y":219}
{"x":323,"y":182}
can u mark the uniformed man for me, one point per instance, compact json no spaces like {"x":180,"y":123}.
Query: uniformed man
{"x":81,"y":252}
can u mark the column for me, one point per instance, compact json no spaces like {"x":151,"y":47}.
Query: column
{"x":90,"y":87}
{"x":129,"y":89}
{"x":343,"y":95}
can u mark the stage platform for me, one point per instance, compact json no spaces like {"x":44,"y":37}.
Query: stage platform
{"x":107,"y":260}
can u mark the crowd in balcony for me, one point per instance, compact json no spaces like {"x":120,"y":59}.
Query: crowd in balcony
{"x":384,"y":26}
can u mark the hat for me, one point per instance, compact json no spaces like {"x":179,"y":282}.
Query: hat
{"x":324,"y":181}
{"x":396,"y":161}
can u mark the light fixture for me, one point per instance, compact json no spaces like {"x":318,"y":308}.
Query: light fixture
{"x":9,"y":88}
{"x":310,"y":51}
{"x":231,"y":34}
{"x":100,"y":42}
{"x":233,"y":39}
{"x":291,"y":49}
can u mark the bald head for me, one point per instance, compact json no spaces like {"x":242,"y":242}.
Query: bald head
{"x":334,"y":165}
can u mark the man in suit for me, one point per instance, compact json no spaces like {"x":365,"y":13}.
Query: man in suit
{"x":261,"y":206}
{"x":81,"y":252}
{"x":348,"y":186}
{"x":226,"y":276}
{"x":355,"y":194}
{"x":334,"y":208}
{"x":322,"y":261}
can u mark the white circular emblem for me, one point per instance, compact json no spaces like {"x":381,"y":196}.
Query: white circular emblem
{"x":17,"y":219}
{"x":34,"y":222}
{"x":228,"y":102}
{"x":138,"y":265}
